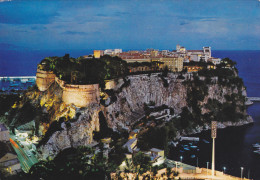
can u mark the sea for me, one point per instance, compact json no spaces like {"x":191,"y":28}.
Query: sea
{"x":233,"y":145}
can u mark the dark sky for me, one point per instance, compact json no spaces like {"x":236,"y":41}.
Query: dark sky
{"x":65,"y":24}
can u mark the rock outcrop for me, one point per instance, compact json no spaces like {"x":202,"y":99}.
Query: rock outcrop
{"x":142,"y":89}
{"x":78,"y":133}
{"x":121,"y":111}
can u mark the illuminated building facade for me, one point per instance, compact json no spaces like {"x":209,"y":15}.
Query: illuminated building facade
{"x":174,"y":64}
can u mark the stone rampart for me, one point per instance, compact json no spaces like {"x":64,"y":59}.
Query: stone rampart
{"x":44,"y":79}
{"x":80,"y":95}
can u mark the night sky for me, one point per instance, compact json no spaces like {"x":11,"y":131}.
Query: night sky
{"x":71,"y":25}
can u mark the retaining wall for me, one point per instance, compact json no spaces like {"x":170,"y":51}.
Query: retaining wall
{"x":44,"y":79}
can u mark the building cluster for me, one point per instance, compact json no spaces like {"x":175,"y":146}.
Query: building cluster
{"x":111,"y":52}
{"x":9,"y":162}
{"x":172,"y":59}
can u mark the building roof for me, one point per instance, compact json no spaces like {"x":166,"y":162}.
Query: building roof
{"x":3,"y":149}
{"x":8,"y":157}
{"x":136,"y":130}
{"x":195,"y":50}
{"x":132,"y":133}
{"x":6,"y":147}
{"x":130,"y":142}
{"x":215,"y":58}
{"x":3,"y":127}
{"x":156,"y":150}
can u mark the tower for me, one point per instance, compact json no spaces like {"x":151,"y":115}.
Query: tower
{"x":178,"y":47}
{"x":207,"y":51}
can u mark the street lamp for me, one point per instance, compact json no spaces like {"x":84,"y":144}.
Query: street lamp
{"x":224,"y":169}
{"x":181,"y":158}
{"x":242,"y":172}
{"x":207,"y":167}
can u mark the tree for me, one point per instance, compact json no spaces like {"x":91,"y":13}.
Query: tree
{"x":71,"y":163}
{"x":229,"y":62}
{"x":169,"y":171}
{"x":142,"y":162}
{"x":186,"y":118}
{"x":165,"y":71}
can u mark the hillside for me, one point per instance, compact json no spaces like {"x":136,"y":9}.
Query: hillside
{"x":194,"y":101}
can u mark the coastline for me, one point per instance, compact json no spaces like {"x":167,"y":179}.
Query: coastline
{"x":221,"y":125}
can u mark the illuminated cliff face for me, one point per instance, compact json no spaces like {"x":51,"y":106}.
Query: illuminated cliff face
{"x":79,"y":133}
{"x":122,"y":108}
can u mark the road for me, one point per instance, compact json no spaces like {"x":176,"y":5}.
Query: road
{"x":25,"y":161}
{"x":172,"y":163}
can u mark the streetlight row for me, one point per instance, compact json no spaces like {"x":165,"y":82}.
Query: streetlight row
{"x":224,"y":168}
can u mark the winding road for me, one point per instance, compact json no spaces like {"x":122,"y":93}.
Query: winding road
{"x":27,"y":160}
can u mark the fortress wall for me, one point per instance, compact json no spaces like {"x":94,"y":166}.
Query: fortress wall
{"x":44,"y":79}
{"x":81,"y":95}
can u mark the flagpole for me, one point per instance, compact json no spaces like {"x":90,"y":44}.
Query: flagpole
{"x":213,"y":157}
{"x":213,"y":136}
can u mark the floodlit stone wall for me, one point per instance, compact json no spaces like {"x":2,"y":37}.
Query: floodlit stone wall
{"x":81,"y":95}
{"x":44,"y":79}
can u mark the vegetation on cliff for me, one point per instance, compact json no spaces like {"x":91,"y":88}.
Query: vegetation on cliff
{"x":7,"y":101}
{"x":232,"y":109}
{"x":85,"y":70}
{"x":17,"y":110}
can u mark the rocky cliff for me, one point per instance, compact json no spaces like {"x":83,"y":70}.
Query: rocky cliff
{"x":61,"y":125}
{"x":143,"y":89}
{"x":73,"y":133}
{"x":123,"y":106}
